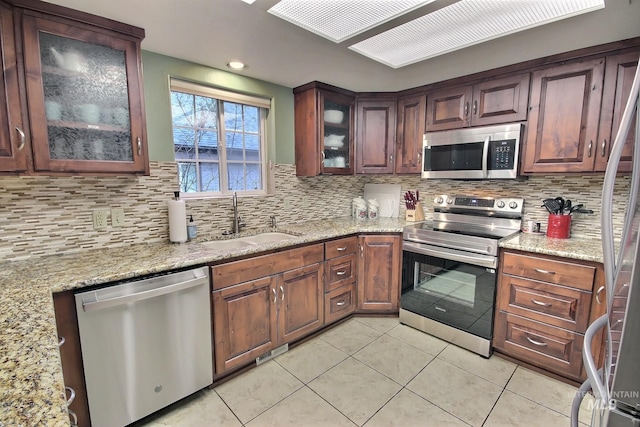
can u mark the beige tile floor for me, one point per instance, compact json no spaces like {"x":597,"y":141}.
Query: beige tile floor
{"x":375,"y":372}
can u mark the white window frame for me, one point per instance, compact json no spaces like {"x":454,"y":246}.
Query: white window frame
{"x":264,"y":105}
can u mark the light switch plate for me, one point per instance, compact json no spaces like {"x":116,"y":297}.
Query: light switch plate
{"x":117,"y":217}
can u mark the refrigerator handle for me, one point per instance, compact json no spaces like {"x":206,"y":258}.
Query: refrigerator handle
{"x":599,"y":388}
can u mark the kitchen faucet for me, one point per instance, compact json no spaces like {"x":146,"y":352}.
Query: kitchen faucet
{"x":238,"y":223}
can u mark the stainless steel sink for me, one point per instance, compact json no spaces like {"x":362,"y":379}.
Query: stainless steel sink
{"x":243,"y":242}
{"x":269,"y":237}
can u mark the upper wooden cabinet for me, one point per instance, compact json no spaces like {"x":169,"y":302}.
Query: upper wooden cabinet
{"x":83,"y":89}
{"x":13,"y":151}
{"x":324,"y":117}
{"x":618,"y":78}
{"x":495,"y":101}
{"x":563,"y":122}
{"x":375,"y":135}
{"x":409,"y":133}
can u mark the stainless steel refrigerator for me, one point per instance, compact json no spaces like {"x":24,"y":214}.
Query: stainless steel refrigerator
{"x":616,"y":386}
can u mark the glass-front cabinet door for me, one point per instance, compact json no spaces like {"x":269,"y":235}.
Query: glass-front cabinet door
{"x":336,"y":139}
{"x":85,"y":99}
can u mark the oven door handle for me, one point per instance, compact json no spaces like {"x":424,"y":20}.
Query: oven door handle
{"x":485,"y":157}
{"x":451,"y":254}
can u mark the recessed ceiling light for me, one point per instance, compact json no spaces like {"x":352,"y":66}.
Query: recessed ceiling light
{"x":249,"y":1}
{"x":236,"y":65}
{"x":463,"y":24}
{"x":338,"y":20}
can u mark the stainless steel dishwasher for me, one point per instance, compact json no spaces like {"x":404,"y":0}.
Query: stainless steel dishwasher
{"x":145,"y":344}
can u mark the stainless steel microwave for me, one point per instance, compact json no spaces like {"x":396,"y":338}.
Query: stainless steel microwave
{"x":489,"y":152}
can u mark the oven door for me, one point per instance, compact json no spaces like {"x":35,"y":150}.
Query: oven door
{"x":449,"y":286}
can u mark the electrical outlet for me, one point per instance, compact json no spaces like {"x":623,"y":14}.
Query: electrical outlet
{"x":117,"y":217}
{"x":100,"y":219}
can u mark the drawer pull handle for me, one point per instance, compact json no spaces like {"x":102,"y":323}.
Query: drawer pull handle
{"x":72,"y":395}
{"x":341,"y":272}
{"x":441,"y":309}
{"x":538,"y":343}
{"x":544,"y":304}
{"x":598,"y":292}
{"x":62,"y":341}
{"x":341,"y":303}
{"x":342,"y":248}
{"x":539,"y":270}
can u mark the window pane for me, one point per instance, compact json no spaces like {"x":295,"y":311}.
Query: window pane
{"x":210,"y":176}
{"x":236,"y":176}
{"x":184,"y":140}
{"x":182,"y":109}
{"x":252,"y":148}
{"x":232,"y":116}
{"x":187,"y":177}
{"x":207,"y":145}
{"x":206,"y":112}
{"x":253,"y":177}
{"x":234,"y":145}
{"x":251,"y":119}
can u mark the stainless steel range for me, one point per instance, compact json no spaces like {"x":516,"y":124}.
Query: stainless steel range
{"x":449,"y":268}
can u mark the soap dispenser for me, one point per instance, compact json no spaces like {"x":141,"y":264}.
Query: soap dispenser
{"x":192,"y":232}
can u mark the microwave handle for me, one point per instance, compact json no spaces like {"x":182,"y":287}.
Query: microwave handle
{"x":485,"y":157}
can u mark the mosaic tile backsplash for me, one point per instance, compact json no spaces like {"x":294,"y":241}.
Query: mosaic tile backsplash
{"x":53,"y":215}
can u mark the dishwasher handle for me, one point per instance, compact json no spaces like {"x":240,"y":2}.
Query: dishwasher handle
{"x":124,"y":299}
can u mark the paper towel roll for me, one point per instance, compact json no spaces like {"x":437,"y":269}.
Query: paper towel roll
{"x":177,"y":221}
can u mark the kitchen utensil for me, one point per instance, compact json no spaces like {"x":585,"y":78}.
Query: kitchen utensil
{"x":560,"y":200}
{"x":575,"y":208}
{"x":584,"y":211}
{"x":567,"y":207}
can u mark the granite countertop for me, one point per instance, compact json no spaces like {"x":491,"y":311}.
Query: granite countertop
{"x":575,"y":247}
{"x":31,"y":384}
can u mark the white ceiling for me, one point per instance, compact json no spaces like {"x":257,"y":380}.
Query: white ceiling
{"x":213,"y":32}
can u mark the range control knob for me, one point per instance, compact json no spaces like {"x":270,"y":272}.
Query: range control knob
{"x":439,"y":200}
{"x":500,"y":204}
{"x":513,"y":205}
{"x":449,"y":201}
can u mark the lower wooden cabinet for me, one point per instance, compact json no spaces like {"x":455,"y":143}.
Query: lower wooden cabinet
{"x":254,"y":317}
{"x":544,"y":305}
{"x":71,"y":355}
{"x":339,"y":303}
{"x":379,"y":273}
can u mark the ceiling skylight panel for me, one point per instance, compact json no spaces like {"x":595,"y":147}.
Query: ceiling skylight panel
{"x":339,"y":20}
{"x":464,"y":24}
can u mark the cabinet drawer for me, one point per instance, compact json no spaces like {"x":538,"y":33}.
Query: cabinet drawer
{"x":548,"y":270}
{"x":542,"y":345}
{"x":234,"y":272}
{"x":545,"y":302}
{"x":340,"y":247}
{"x":339,"y":272}
{"x":339,"y":303}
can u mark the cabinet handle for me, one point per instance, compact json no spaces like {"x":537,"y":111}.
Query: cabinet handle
{"x":323,"y":157}
{"x":62,"y":341}
{"x":466,"y":109}
{"x":390,"y":158}
{"x":544,"y":304}
{"x":603,"y":150}
{"x":74,"y":418}
{"x":23,"y":138}
{"x":342,"y":248}
{"x":475,"y":107}
{"x":139,"y":146}
{"x":361,"y":251}
{"x":419,"y":155}
{"x":282,"y":291}
{"x":275,"y":295}
{"x":341,"y":303}
{"x":590,"y":149}
{"x":538,"y":343}
{"x":598,"y":292}
{"x":72,"y":395}
{"x":341,"y":272}
{"x":539,"y":270}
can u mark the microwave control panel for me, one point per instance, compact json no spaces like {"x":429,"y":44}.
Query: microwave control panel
{"x":502,"y":154}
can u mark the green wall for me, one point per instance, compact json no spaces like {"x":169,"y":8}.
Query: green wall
{"x":158,"y":68}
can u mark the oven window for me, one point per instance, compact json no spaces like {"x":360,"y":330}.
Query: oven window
{"x":454,"y":293}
